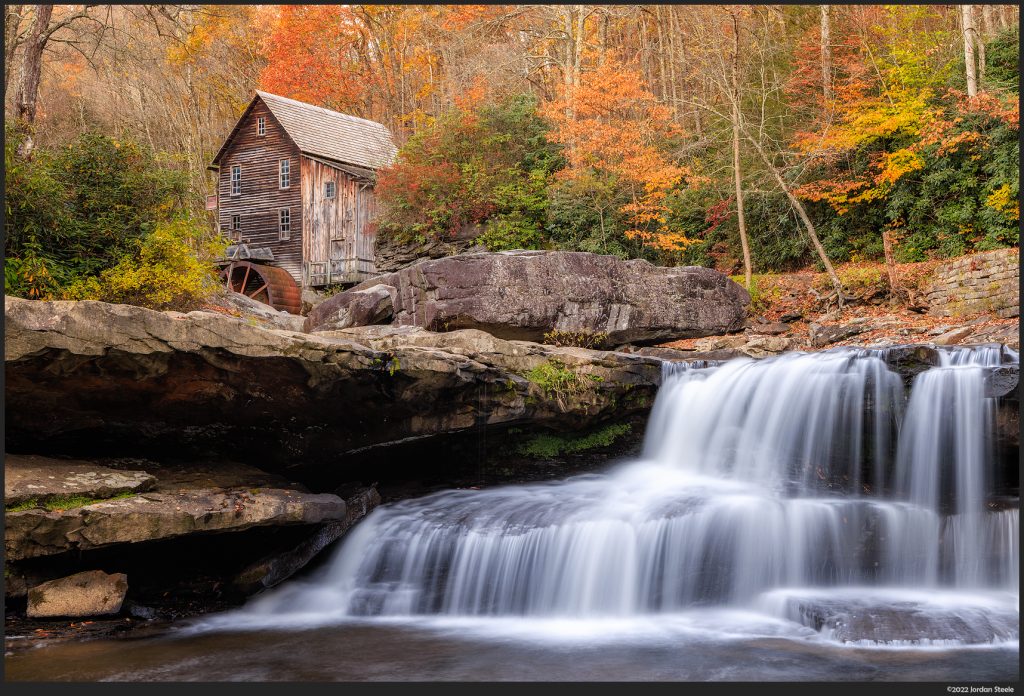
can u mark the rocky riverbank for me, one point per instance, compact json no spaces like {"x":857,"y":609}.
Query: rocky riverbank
{"x":208,"y":456}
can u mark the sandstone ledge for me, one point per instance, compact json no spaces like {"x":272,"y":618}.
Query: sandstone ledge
{"x":129,"y":381}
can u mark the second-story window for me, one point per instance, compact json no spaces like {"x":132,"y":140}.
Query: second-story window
{"x":284,"y":229}
{"x":236,"y":180}
{"x":261,"y":125}
{"x":236,"y":227}
{"x":329,"y":189}
{"x":285,"y":170}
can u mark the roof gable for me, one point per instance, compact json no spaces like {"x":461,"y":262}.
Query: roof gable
{"x":324,"y":133}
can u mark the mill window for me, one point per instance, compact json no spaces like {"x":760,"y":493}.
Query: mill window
{"x":261,"y":125}
{"x":236,"y":180}
{"x":285,"y":169}
{"x":284,"y":230}
{"x":329,"y":189}
{"x":236,"y":227}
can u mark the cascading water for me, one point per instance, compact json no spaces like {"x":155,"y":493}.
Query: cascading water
{"x":789,"y":485}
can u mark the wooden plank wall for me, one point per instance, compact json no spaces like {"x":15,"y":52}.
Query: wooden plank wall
{"x":337,"y":230}
{"x":262,"y":196}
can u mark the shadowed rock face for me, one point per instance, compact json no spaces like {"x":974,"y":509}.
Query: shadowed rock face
{"x":522,"y":295}
{"x":118,"y":380}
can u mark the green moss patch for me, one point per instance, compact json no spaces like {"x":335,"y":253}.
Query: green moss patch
{"x":552,"y":446}
{"x":66,"y":502}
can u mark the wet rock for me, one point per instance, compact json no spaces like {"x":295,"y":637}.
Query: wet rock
{"x":1008,"y":334}
{"x":522,"y":295}
{"x":1002,"y":381}
{"x":28,"y":477}
{"x":274,"y":568}
{"x":881,"y":621}
{"x":90,"y":593}
{"x":790,"y":317}
{"x":142,"y":612}
{"x":354,"y":308}
{"x":821,"y":335}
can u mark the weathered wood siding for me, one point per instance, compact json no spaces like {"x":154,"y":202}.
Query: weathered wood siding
{"x":261,"y":196}
{"x":338,"y":234}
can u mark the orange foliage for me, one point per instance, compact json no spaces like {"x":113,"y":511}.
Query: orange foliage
{"x":312,"y":56}
{"x":612,"y":122}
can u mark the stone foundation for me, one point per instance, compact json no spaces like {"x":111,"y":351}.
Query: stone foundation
{"x":986,"y":282}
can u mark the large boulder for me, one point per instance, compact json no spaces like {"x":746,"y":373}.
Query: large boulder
{"x":91,"y":593}
{"x":522,"y":295}
{"x":355,"y":308}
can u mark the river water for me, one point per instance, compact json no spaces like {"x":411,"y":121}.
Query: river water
{"x":799,"y":518}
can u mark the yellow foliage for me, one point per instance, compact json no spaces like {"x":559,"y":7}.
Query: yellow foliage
{"x":1002,"y":200}
{"x":170,"y":270}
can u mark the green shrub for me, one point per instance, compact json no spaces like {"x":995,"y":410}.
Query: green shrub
{"x":76,"y":210}
{"x":169,"y":269}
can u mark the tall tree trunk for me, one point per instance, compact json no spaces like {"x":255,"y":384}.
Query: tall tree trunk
{"x":737,"y":176}
{"x":672,"y":30}
{"x":12,"y":25}
{"x":967,"y":14}
{"x":31,"y":68}
{"x":890,"y":262}
{"x":826,"y":52}
{"x":987,"y":25}
{"x":741,"y":218}
{"x":802,"y":213}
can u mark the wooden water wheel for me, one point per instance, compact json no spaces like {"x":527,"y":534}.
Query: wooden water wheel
{"x":267,"y":284}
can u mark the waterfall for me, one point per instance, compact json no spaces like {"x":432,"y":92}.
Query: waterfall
{"x":759,"y":478}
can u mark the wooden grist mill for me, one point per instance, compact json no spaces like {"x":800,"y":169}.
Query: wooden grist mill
{"x":295,"y":198}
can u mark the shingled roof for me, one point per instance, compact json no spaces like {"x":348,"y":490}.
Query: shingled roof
{"x":326,"y":134}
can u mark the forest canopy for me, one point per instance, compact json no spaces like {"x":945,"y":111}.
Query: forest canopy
{"x":768,"y":137}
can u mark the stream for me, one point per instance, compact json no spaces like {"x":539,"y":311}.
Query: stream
{"x":798,"y":518}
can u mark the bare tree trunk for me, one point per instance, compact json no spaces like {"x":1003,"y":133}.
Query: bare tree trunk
{"x":798,"y":206}
{"x":987,"y":25}
{"x":826,"y":52}
{"x":967,"y":14}
{"x":12,"y":24}
{"x":31,"y":68}
{"x":737,"y":176}
{"x":741,"y":217}
{"x":890,"y":262}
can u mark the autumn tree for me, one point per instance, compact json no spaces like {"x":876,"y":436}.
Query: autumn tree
{"x":475,"y":173}
{"x":616,"y":130}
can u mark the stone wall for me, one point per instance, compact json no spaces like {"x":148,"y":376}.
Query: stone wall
{"x":986,"y":282}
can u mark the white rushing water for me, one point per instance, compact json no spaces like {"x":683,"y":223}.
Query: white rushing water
{"x":799,"y":487}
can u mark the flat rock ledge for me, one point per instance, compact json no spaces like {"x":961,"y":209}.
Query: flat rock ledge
{"x":29,"y":477}
{"x":133,"y":382}
{"x":161,"y":515}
